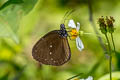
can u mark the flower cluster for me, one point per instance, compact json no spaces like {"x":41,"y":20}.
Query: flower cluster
{"x":106,"y":24}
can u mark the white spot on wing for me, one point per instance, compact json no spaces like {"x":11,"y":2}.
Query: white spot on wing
{"x":66,"y":59}
{"x":50,"y":53}
{"x":51,"y":58}
{"x":50,"y":46}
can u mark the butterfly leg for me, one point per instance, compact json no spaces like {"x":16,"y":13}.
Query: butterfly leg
{"x":69,"y":37}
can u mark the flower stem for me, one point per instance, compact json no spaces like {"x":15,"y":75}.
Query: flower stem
{"x":92,"y":34}
{"x":110,"y":54}
{"x":113,"y":41}
{"x":110,"y":64}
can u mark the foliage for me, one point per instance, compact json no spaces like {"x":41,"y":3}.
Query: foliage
{"x":23,"y":22}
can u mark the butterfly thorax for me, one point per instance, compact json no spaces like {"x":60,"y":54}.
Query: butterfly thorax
{"x":63,"y":31}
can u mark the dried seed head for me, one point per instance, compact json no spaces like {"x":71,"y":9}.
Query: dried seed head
{"x":101,"y":22}
{"x":109,"y":22}
{"x":106,"y":24}
{"x":112,"y":18}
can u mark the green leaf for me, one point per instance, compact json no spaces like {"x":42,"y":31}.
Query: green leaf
{"x":5,"y":77}
{"x":29,"y":21}
{"x":6,"y":31}
{"x":16,"y":1}
{"x":10,"y":18}
{"x":9,"y":2}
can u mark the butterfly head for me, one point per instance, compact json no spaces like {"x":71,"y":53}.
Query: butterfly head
{"x":63,"y":31}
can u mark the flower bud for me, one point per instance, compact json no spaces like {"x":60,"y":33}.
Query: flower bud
{"x":106,"y":24}
{"x":103,"y":27}
{"x":109,"y":22}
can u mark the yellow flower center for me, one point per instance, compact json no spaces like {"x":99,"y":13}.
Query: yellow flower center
{"x":74,"y":33}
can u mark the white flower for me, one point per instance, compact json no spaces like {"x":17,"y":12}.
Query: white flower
{"x":75,"y":34}
{"x":89,"y":78}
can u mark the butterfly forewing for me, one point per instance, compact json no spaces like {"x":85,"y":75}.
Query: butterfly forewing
{"x":52,"y":49}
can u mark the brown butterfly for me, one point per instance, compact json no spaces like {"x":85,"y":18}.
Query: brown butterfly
{"x":53,"y":48}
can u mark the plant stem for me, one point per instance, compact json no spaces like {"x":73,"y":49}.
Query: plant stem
{"x":110,"y":54}
{"x":113,"y":41}
{"x":110,"y":64}
{"x":91,"y":19}
{"x":75,"y":76}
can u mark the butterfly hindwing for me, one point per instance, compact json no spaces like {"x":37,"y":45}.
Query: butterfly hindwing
{"x":52,"y":49}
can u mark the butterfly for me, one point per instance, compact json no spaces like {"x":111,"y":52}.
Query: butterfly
{"x":53,"y":48}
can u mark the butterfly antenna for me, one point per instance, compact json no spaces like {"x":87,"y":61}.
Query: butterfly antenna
{"x":67,"y":14}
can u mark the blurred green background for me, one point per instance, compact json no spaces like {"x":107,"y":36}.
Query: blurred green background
{"x":23,"y":22}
